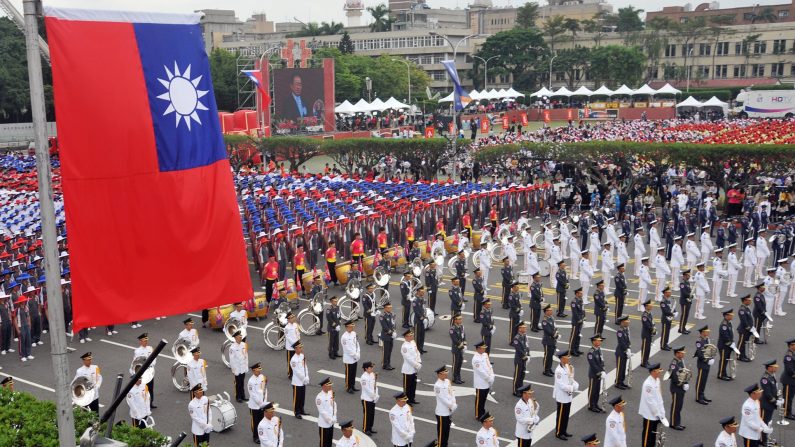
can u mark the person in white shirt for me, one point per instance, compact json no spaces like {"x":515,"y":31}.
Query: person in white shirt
{"x":199,"y":411}
{"x":785,"y":280}
{"x":348,"y":439}
{"x":291,"y":336}
{"x":771,"y":290}
{"x":369,"y":381}
{"x":530,"y":258}
{"x":645,"y":283}
{"x":445,"y":406}
{"x":762,"y":252}
{"x":526,"y":412}
{"x":197,"y":369}
{"x":751,"y":424}
{"x":189,"y":333}
{"x":749,"y":262}
{"x":791,"y":295}
{"x":563,"y":393}
{"x":718,"y":274}
{"x":574,"y":254}
{"x":92,"y":372}
{"x":257,"y":397}
{"x":706,"y":244}
{"x":586,"y":273}
{"x":652,"y":407}
{"x":138,"y":401}
{"x":487,"y":435}
{"x":661,"y":271}
{"x":510,"y":251}
{"x":702,"y":289}
{"x":654,"y":238}
{"x":612,"y":236}
{"x":412,"y":363}
{"x":615,"y":424}
{"x":144,"y":350}
{"x":241,"y":314}
{"x":523,"y":220}
{"x":438,"y":247}
{"x":527,"y":243}
{"x":555,"y":256}
{"x":402,"y":420}
{"x":727,"y":437}
{"x":351,"y":354}
{"x":548,"y":236}
{"x":300,"y":379}
{"x":607,"y":266}
{"x":677,"y":261}
{"x":484,"y":264}
{"x":692,"y":251}
{"x":270,"y":428}
{"x":640,"y":249}
{"x":483,"y":377}
{"x":594,"y":245}
{"x":733,"y":268}
{"x":326,"y":413}
{"x":622,"y":256}
{"x":565,"y":236}
{"x":238,"y":362}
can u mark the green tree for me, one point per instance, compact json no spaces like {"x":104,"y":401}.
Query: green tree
{"x":718,"y":26}
{"x":223,"y":68}
{"x":689,"y":34}
{"x":746,"y":49}
{"x":570,"y":62}
{"x":527,"y":15}
{"x":310,"y":29}
{"x":521,"y":54}
{"x":331,"y":28}
{"x":765,"y":15}
{"x":629,"y":19}
{"x":553,"y":28}
{"x":614,"y":65}
{"x":595,"y":29}
{"x":382,"y":21}
{"x":14,"y":90}
{"x":572,"y":26}
{"x":346,"y":44}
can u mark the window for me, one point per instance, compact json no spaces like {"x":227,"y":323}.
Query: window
{"x":783,"y":13}
{"x":653,"y":73}
{"x":687,"y":49}
{"x":670,"y":51}
{"x":740,"y":48}
{"x":748,"y":16}
{"x":777,"y":69}
{"x":779,"y":46}
{"x":722,"y":48}
{"x":760,"y":47}
{"x":721,"y":71}
{"x":739,"y":71}
{"x":426,"y":60}
{"x":702,"y":71}
{"x":757,"y":70}
{"x":438,"y":75}
{"x":792,"y":70}
{"x":682,"y":19}
{"x":704,"y":49}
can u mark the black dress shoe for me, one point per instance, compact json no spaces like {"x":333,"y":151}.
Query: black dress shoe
{"x":256,"y":441}
{"x":320,"y":332}
{"x":549,"y":374}
{"x":621,"y":387}
{"x":708,"y":400}
{"x":153,"y":406}
{"x":413,"y":402}
{"x":458,"y":382}
{"x":406,"y":326}
{"x":601,"y":410}
{"x":568,"y":435}
{"x":349,"y":391}
{"x":356,"y":389}
{"x":388,"y":368}
{"x":562,"y":438}
{"x":665,"y":348}
{"x":239,"y":400}
{"x":373,"y":432}
{"x":298,"y":416}
{"x":369,"y":342}
{"x":594,"y":409}
{"x":726,"y":378}
{"x":744,"y":359}
{"x":368,"y":433}
{"x":422,"y":351}
{"x":702,"y":402}
{"x":678,"y":427}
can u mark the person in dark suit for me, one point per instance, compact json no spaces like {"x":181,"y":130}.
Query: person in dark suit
{"x":295,"y":106}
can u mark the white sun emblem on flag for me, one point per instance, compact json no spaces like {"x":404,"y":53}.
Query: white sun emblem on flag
{"x":182,"y":95}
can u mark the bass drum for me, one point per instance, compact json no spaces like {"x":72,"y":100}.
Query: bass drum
{"x":397,"y":257}
{"x":260,"y":306}
{"x":450,"y":245}
{"x":222,"y":415}
{"x":543,"y":267}
{"x":289,"y":284}
{"x":430,"y":318}
{"x":368,"y":265}
{"x":219,"y":315}
{"x":342,"y":270}
{"x":476,"y":239}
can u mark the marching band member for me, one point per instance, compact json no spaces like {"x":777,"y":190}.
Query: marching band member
{"x":357,"y":249}
{"x":526,"y":413}
{"x":718,"y":273}
{"x":678,"y":388}
{"x":238,"y":362}
{"x":412,"y":363}
{"x":771,"y":290}
{"x":762,"y":252}
{"x":92,"y":372}
{"x":575,"y":254}
{"x":189,"y":333}
{"x":677,"y":261}
{"x":607,"y":265}
{"x":549,"y":340}
{"x":402,"y":420}
{"x":726,"y":438}
{"x":594,"y":244}
{"x":143,"y":350}
{"x":199,"y":411}
{"x":788,"y":379}
{"x":790,"y":298}
{"x":520,"y":356}
{"x":348,"y":439}
{"x":326,"y":413}
{"x":479,"y":294}
{"x":600,"y":307}
{"x":621,"y":290}
{"x":299,"y":380}
{"x":331,"y":262}
{"x":487,"y":435}
{"x":138,"y":401}
{"x":197,"y":369}
{"x":456,"y":297}
{"x":645,"y":283}
{"x":666,"y":318}
{"x":530,"y":255}
{"x":751,"y":424}
{"x":733,"y":268}
{"x":405,"y":292}
{"x":760,"y":309}
{"x":270,"y":428}
{"x":487,"y":329}
{"x":577,"y":320}
{"x":685,"y":301}
{"x":702,"y":289}
{"x":299,"y":265}
{"x":242,"y":315}
{"x":561,"y":286}
{"x":510,"y":251}
{"x":536,"y":298}
{"x":438,"y":247}
{"x":370,"y":312}
{"x":652,"y":407}
{"x":703,"y":364}
{"x":725,"y":344}
{"x":485,"y":264}
{"x":769,"y":400}
{"x":622,"y":256}
{"x":523,"y":220}
{"x":706,"y":244}
{"x":291,"y":335}
{"x":565,"y":236}
{"x":548,"y":236}
{"x":387,"y":336}
{"x":458,"y":340}
{"x":749,"y":262}
{"x":271,"y":274}
{"x":565,"y":387}
{"x":596,"y":373}
{"x":445,"y":406}
{"x":612,"y":236}
{"x":257,"y":398}
{"x":615,"y":425}
{"x":432,"y":283}
{"x":640,"y":249}
{"x":586,"y":273}
{"x":351,"y":354}
{"x":333,"y":328}
{"x":692,"y":251}
{"x":369,"y":397}
{"x":483,"y":378}
{"x":654,"y":238}
{"x":515,"y":310}
{"x":661,"y":271}
{"x":785,"y":280}
{"x":646,"y":334}
{"x":461,"y":271}
{"x":623,"y":352}
{"x":745,"y":329}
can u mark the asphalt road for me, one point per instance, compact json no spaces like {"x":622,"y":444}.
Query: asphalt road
{"x":114,"y":354}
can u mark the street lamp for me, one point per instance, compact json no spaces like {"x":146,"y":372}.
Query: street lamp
{"x":408,"y":72}
{"x":369,"y":85}
{"x":554,"y":54}
{"x":485,"y":69}
{"x":689,"y":68}
{"x":265,"y":56}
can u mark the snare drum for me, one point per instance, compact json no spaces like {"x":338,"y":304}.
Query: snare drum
{"x":222,"y":415}
{"x":342,"y":270}
{"x":368,"y":265}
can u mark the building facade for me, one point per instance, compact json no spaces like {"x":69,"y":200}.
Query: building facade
{"x":746,"y":15}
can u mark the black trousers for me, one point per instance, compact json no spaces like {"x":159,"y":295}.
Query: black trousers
{"x":725,"y":357}
{"x":6,"y":336}
{"x":151,"y":387}
{"x":549,"y":353}
{"x":269,"y":288}
{"x":677,"y":399}
{"x":256,"y":417}
{"x":94,"y":406}
{"x":523,"y":442}
{"x":290,"y":355}
{"x":332,"y":271}
{"x":368,"y":410}
{"x":506,"y":292}
{"x":519,"y":371}
{"x":240,"y":386}
{"x":463,"y":282}
{"x":701,"y":382}
{"x":561,"y":303}
{"x":666,"y":332}
{"x":758,"y":322}
{"x":574,"y":340}
{"x":205,"y":316}
{"x":619,"y":306}
{"x":594,"y":388}
{"x":326,"y":436}
{"x":600,"y":324}
{"x":789,"y":393}
{"x":369,"y":325}
{"x":442,"y":430}
{"x":535,"y":316}
{"x":649,"y":438}
{"x":299,"y":397}
{"x":386,"y":352}
{"x":406,"y":312}
{"x":333,"y":343}
{"x":198,"y":439}
{"x":487,"y":340}
{"x":683,"y":318}
{"x":419,"y":335}
{"x":478,"y":308}
{"x":749,"y":442}
{"x":514,"y":317}
{"x":138,"y":423}
{"x":621,"y":368}
{"x":432,"y":299}
{"x":410,"y":386}
{"x":350,"y":376}
{"x":645,"y":350}
{"x":481,"y":394}
{"x":458,"y":361}
{"x":743,"y":343}
{"x":562,"y":418}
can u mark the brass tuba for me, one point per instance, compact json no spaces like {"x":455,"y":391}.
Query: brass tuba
{"x":231,"y":326}
{"x":82,"y":389}
{"x":683,"y":375}
{"x":381,"y":276}
{"x":136,"y":364}
{"x":181,"y":350}
{"x":416,"y":267}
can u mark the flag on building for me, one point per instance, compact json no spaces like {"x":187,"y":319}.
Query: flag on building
{"x":152,"y":217}
{"x":460,"y":96}
{"x":256,"y":79}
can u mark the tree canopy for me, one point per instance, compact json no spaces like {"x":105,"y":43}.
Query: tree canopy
{"x":14,"y":90}
{"x":520,"y":52}
{"x":526,"y":15}
{"x":614,"y":65}
{"x":223,"y":69}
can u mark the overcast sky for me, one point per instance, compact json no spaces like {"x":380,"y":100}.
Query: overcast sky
{"x":326,"y":10}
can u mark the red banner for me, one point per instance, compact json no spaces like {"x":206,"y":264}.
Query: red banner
{"x":429,"y":132}
{"x":484,"y":125}
{"x":505,"y":122}
{"x":524,"y":118}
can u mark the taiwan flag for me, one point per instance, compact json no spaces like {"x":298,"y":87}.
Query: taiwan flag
{"x":152,"y":217}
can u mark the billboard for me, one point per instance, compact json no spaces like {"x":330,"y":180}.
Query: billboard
{"x":299,"y":97}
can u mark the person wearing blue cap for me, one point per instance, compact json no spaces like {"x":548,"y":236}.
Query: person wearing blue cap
{"x":615,"y":424}
{"x":752,"y":427}
{"x":507,"y":279}
{"x":563,"y":393}
{"x":487,"y":435}
{"x":270,"y":428}
{"x":788,"y":379}
{"x":536,"y":296}
{"x":327,"y":413}
{"x":770,"y":399}
{"x":577,"y":321}
{"x":652,"y":407}
{"x":199,"y":411}
{"x":726,"y":438}
{"x":679,"y":385}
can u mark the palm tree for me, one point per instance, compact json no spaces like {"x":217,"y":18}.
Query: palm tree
{"x":332,"y":28}
{"x":554,"y":27}
{"x":308,"y":30}
{"x":716,"y":29}
{"x":766,"y":15}
{"x":381,"y":18}
{"x":572,"y":26}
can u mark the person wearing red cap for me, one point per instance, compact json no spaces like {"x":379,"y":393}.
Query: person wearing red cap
{"x":271,"y":274}
{"x":22,"y":322}
{"x":299,"y":266}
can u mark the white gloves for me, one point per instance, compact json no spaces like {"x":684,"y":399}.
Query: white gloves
{"x":754,"y":331}
{"x":711,"y":362}
{"x":521,"y":313}
{"x":629,"y":351}
{"x":686,"y":386}
{"x":733,"y":346}
{"x":602,"y":374}
{"x":337,"y":328}
{"x":576,"y":386}
{"x":463,"y":305}
{"x":779,"y":402}
{"x":493,"y":330}
{"x":665,"y":421}
{"x":768,"y":429}
{"x":536,"y":419}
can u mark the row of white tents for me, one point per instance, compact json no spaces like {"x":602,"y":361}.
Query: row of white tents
{"x":363,"y":106}
{"x":696,"y":104}
{"x":667,"y":89}
{"x":491,"y":94}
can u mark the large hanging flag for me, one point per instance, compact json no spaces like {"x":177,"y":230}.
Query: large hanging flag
{"x":460,"y":96}
{"x":153,"y":222}
{"x":256,"y":78}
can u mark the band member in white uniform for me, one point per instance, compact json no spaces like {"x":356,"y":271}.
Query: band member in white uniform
{"x":718,"y":274}
{"x":510,"y":251}
{"x":199,"y":411}
{"x":565,"y":236}
{"x":555,"y":256}
{"x":594,"y":245}
{"x":677,"y":261}
{"x":749,"y":262}
{"x":270,"y":428}
{"x":615,"y":424}
{"x":574,"y":253}
{"x":402,"y":420}
{"x":487,"y":435}
{"x":762,"y":252}
{"x":565,"y":387}
{"x":661,"y":271}
{"x":785,"y":281}
{"x":92,"y":372}
{"x":692,"y":251}
{"x":622,"y":256}
{"x":257,"y":398}
{"x":652,"y":407}
{"x":351,"y":353}
{"x":654,"y":238}
{"x":189,"y":333}
{"x":702,"y":290}
{"x":138,"y":401}
{"x":526,"y":412}
{"x":751,"y":424}
{"x":733,"y":268}
{"x":369,"y":381}
{"x":608,"y":266}
{"x":143,"y":350}
{"x":727,"y":437}
{"x":644,"y":283}
{"x":326,"y":413}
{"x":197,"y":369}
{"x":445,"y":406}
{"x":640,"y":249}
{"x":238,"y":362}
{"x":706,"y":244}
{"x":586,"y":273}
{"x":530,"y":258}
{"x":300,"y":379}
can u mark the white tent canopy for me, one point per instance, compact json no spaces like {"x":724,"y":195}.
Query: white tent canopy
{"x":448,"y":98}
{"x":563,"y":91}
{"x":542,"y":92}
{"x":393,"y":103}
{"x":603,"y":91}
{"x":623,"y":90}
{"x":690,"y":102}
{"x":362,"y":106}
{"x":475,"y":95}
{"x":582,"y":91}
{"x":492,"y":94}
{"x":645,"y":90}
{"x":668,"y":89}
{"x":503,"y":93}
{"x":715,"y":102}
{"x":378,"y":105}
{"x":511,"y":93}
{"x":345,"y":107}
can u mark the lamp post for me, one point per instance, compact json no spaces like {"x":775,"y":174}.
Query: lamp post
{"x":368,"y":83}
{"x":408,"y":73}
{"x":455,"y":112}
{"x":689,"y":68}
{"x":264,"y":57}
{"x":485,"y":69}
{"x":551,"y":59}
